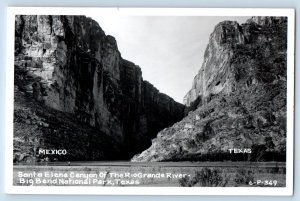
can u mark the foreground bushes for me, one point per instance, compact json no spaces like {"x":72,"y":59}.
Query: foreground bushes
{"x":206,"y":177}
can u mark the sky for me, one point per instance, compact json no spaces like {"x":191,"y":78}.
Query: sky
{"x":168,"y":49}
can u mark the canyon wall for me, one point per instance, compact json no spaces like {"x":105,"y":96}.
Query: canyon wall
{"x":237,"y":100}
{"x":70,"y":65}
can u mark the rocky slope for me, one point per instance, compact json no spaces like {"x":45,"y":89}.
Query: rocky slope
{"x":238,"y":98}
{"x":67,"y":63}
{"x":39,"y":127}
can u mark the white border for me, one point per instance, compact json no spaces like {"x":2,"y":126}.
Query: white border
{"x":280,"y":191}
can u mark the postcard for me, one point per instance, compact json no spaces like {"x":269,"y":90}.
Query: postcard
{"x":150,"y":101}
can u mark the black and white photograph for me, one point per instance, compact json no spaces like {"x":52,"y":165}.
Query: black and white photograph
{"x":113,"y":99}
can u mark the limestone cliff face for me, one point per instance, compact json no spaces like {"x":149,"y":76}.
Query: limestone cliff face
{"x":218,"y":73}
{"x":214,"y":75}
{"x":238,"y":97}
{"x":70,"y":65}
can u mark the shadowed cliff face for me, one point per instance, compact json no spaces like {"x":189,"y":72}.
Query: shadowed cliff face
{"x":70,"y":65}
{"x":238,"y":97}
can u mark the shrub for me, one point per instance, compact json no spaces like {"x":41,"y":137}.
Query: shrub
{"x":243,"y":177}
{"x":206,"y":178}
{"x":269,"y":143}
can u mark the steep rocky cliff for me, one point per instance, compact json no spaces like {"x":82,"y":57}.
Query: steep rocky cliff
{"x":68,"y":64}
{"x":238,"y":97}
